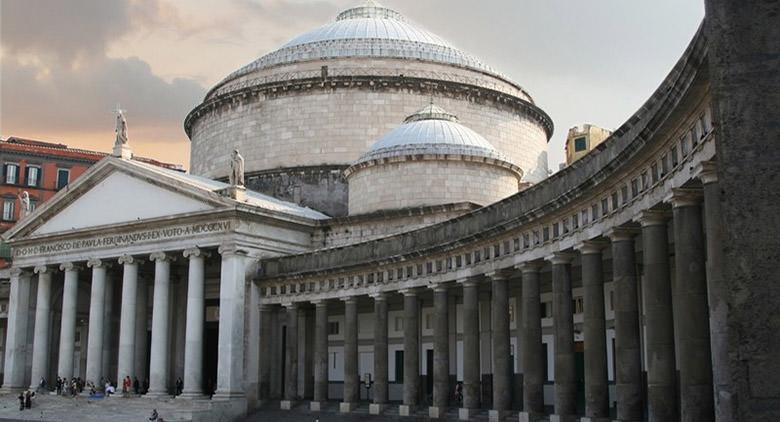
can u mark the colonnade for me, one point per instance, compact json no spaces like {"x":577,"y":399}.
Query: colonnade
{"x":230,"y":377}
{"x":671,"y":316}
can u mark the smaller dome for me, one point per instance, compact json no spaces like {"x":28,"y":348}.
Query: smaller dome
{"x":431,"y":131}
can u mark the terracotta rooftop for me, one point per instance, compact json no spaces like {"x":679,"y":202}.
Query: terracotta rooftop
{"x":34,"y":146}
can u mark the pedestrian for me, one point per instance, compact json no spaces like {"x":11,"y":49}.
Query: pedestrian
{"x":154,"y":416}
{"x":136,"y":385}
{"x":21,"y":401}
{"x":58,"y":385}
{"x":28,"y":396}
{"x":42,"y":384}
{"x":179,"y":386}
{"x":146,"y":386}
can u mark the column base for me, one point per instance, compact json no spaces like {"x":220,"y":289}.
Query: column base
{"x":286,"y":404}
{"x":9,"y":390}
{"x":563,"y":418}
{"x":436,"y":412}
{"x":228,"y":395}
{"x":156,"y":395}
{"x":376,"y":409}
{"x":346,"y":407}
{"x":405,"y":410}
{"x":192,"y":395}
{"x":497,"y":415}
{"x":316,"y":406}
{"x":466,"y":414}
{"x":531,"y":417}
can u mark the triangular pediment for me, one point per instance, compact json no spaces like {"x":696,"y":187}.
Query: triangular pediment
{"x":120,"y":198}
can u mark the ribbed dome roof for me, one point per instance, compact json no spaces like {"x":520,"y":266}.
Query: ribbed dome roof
{"x":369,"y":30}
{"x":431,"y":130}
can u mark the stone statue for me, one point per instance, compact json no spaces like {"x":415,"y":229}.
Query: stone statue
{"x":236,"y":169}
{"x":121,"y":127}
{"x":26,"y":208}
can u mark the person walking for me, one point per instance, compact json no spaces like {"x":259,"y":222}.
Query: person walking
{"x":21,"y":401}
{"x":28,"y":399}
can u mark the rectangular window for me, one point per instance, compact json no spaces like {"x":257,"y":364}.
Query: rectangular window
{"x":399,"y":324}
{"x":11,"y":173}
{"x":624,"y":194}
{"x":536,"y":237}
{"x":428,"y":267}
{"x":516,"y":244}
{"x":594,"y":212}
{"x":664,"y":165}
{"x":702,"y":126}
{"x":684,"y":145}
{"x":333,"y":328}
{"x":399,"y":366}
{"x":468,"y":258}
{"x":604,"y":207}
{"x":654,"y":171}
{"x":556,"y":231}
{"x":580,"y":144}
{"x":645,"y":181}
{"x":584,"y":215}
{"x":673,"y":154}
{"x":565,"y":223}
{"x":459,"y":261}
{"x":526,"y":241}
{"x":614,"y":201}
{"x":634,"y":188}
{"x":546,"y":309}
{"x":419,"y":270}
{"x":694,"y":134}
{"x":577,"y":305}
{"x":477,"y":256}
{"x":63,"y":178}
{"x":546,"y":234}
{"x":8,"y":209}
{"x":575,"y":221}
{"x":33,"y":176}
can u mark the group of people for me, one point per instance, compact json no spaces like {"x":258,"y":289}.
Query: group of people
{"x":65,"y":387}
{"x":25,"y":399}
{"x":134,"y":386}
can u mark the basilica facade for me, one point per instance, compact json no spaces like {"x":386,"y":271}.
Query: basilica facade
{"x":397,"y":245}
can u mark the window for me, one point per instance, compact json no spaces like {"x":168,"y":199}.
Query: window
{"x":399,"y":324}
{"x":526,"y":241}
{"x":546,"y":234}
{"x":580,"y":144}
{"x":477,"y":256}
{"x":644,"y":180}
{"x":575,"y":222}
{"x":702,"y":126}
{"x":546,"y":309}
{"x":577,"y":305}
{"x":673,"y":154}
{"x":614,"y":201}
{"x":11,"y":173}
{"x":664,"y":165}
{"x":654,"y":171}
{"x":584,"y":216}
{"x":634,"y":188}
{"x":684,"y":145}
{"x":33,"y":176}
{"x":399,"y":366}
{"x":604,"y":207}
{"x":8,"y":209}
{"x":611,"y":300}
{"x":429,"y":321}
{"x":594,"y":211}
{"x":333,"y":328}
{"x":536,"y":237}
{"x":516,"y":244}
{"x":63,"y":178}
{"x":565,"y":223}
{"x":694,"y":134}
{"x":624,"y":194}
{"x":556,"y":231}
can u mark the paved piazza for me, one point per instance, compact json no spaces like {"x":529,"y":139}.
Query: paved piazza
{"x":369,"y":228}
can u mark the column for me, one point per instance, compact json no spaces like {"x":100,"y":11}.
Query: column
{"x":193,"y":342}
{"x":595,"y":332}
{"x":320,"y":355}
{"x":96,"y":321}
{"x":230,"y":350}
{"x":563,"y":326}
{"x":696,"y":402}
{"x":411,"y":352}
{"x":266,"y":354}
{"x":40,"y":363}
{"x":471,"y":381}
{"x":659,"y":326}
{"x":68,"y":327}
{"x":158,"y":357}
{"x":108,"y":314}
{"x":502,"y":364}
{"x":380,"y":354}
{"x":16,"y":335}
{"x":718,"y":294}
{"x":142,"y":328}
{"x":291,"y":370}
{"x":628,"y":376}
{"x":351,"y":376}
{"x":533,"y":351}
{"x":441,"y":353}
{"x":126,"y":359}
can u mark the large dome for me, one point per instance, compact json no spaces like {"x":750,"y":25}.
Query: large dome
{"x":369,"y":30}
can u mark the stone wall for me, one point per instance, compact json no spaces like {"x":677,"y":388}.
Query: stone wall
{"x":321,"y":187}
{"x":428,"y":182}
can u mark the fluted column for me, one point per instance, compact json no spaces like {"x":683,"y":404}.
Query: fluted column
{"x":266,"y":353}
{"x":441,"y":353}
{"x":563,"y":326}
{"x":718,"y":294}
{"x":96,"y":321}
{"x":499,"y":305}
{"x":40,"y":363}
{"x":595,"y":332}
{"x":193,"y":341}
{"x":230,"y":351}
{"x":351,"y":376}
{"x":628,"y":377}
{"x":320,"y":355}
{"x":126,"y":359}
{"x":696,"y":402}
{"x":68,"y":327}
{"x":291,"y":369}
{"x":533,"y":351}
{"x":16,"y":334}
{"x":411,"y":352}
{"x":159,"y":355}
{"x":659,"y":326}
{"x":380,"y":354}
{"x":471,"y":381}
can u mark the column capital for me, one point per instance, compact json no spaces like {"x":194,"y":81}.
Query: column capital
{"x":438,"y":287}
{"x":653,"y":218}
{"x":98,"y":263}
{"x":468,"y":282}
{"x":618,"y":234}
{"x":229,"y":249}
{"x":408,"y":292}
{"x":18,"y":272}
{"x":530,"y":266}
{"x":497,"y":275}
{"x":69,"y":266}
{"x":290,"y":305}
{"x":589,"y":247}
{"x":684,"y":197}
{"x":707,"y":172}
{"x":379,"y":296}
{"x":129,"y":260}
{"x":560,"y":258}
{"x":42,"y":269}
{"x":320,"y":303}
{"x":161,"y":257}
{"x":195,"y":253}
{"x":349,"y":299}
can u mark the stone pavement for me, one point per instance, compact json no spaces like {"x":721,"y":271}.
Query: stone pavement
{"x":50,"y":408}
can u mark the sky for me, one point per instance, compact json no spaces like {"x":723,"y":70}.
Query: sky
{"x":66,"y":64}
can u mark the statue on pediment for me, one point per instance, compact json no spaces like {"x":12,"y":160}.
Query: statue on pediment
{"x":236,"y":169}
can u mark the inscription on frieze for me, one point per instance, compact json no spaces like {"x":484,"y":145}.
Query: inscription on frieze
{"x":124,"y":239}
